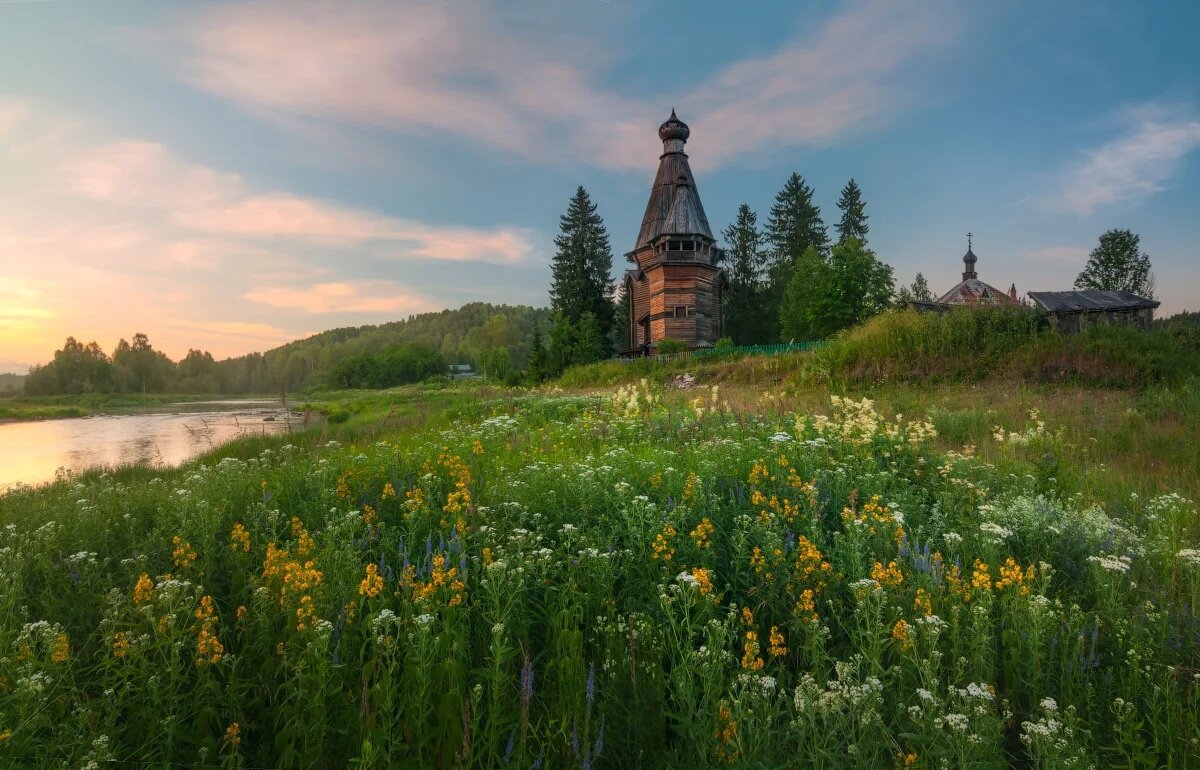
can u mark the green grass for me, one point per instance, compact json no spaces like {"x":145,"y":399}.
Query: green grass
{"x":467,"y":577}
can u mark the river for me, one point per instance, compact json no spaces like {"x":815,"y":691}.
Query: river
{"x":164,"y":436}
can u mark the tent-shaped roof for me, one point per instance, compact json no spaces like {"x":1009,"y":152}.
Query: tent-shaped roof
{"x":972,"y":291}
{"x":674,"y":207}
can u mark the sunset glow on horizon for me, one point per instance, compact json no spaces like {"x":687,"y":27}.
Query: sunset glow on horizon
{"x":231,"y":176}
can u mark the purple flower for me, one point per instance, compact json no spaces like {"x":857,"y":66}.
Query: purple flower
{"x":508,"y":749}
{"x":598,"y":748}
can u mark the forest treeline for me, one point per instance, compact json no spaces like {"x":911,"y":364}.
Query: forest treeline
{"x":494,"y":338}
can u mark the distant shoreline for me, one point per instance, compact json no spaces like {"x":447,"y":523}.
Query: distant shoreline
{"x":37,"y":408}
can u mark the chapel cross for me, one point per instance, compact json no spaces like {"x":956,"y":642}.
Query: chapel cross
{"x":968,"y":241}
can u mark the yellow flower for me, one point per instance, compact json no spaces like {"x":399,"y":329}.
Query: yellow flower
{"x":907,"y":760}
{"x":487,"y":556}
{"x":120,"y":644}
{"x":900,"y":632}
{"x":777,"y":646}
{"x":703,"y":581}
{"x":144,"y":590}
{"x":183,"y":555}
{"x":388,"y":491}
{"x":747,"y":616}
{"x":369,"y":515}
{"x":806,"y":606}
{"x":691,"y":487}
{"x":759,"y":473}
{"x":239,"y":539}
{"x":726,"y":734}
{"x":208,"y":648}
{"x":5,"y":735}
{"x":1011,"y":575}
{"x":233,"y":734}
{"x":61,"y":650}
{"x":922,"y":602}
{"x":372,"y":584}
{"x":981,"y":578}
{"x":757,"y":560}
{"x":662,"y":544}
{"x":751,"y":660}
{"x":702,"y":534}
{"x":241,"y":611}
{"x":887,"y":576}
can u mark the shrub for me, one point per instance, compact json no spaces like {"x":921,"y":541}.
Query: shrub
{"x":668,"y":346}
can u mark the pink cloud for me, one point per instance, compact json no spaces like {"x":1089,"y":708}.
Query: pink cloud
{"x":146,"y":175}
{"x":112,"y":238}
{"x":12,"y":112}
{"x":343,"y":297}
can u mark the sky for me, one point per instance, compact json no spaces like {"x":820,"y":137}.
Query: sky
{"x":234,"y":175}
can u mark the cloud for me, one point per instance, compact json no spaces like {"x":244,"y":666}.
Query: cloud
{"x":1135,"y":165}
{"x":1064,"y":254}
{"x":239,"y":330}
{"x":428,"y":70}
{"x":12,"y":112}
{"x":103,"y":238}
{"x":146,"y":175}
{"x":343,"y":297}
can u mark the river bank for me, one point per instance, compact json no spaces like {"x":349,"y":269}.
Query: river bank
{"x":27,"y":408}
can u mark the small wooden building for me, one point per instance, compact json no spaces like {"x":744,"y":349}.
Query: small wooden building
{"x":1074,"y":311}
{"x":675,"y":288}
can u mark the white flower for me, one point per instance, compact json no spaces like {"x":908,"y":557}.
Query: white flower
{"x":1000,"y":532}
{"x":1112,"y":563}
{"x":1191,"y":555}
{"x":957,"y":722}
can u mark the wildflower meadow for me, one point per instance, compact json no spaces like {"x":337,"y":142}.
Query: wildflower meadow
{"x":622,"y":580}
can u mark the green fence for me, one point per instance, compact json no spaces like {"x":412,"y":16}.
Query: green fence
{"x":737,"y":351}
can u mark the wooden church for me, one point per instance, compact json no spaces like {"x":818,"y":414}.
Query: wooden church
{"x":675,"y":290}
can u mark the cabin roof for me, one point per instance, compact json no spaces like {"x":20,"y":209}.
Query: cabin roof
{"x":1089,"y":300}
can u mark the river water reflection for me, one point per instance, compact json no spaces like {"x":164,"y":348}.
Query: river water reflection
{"x":32,"y":452}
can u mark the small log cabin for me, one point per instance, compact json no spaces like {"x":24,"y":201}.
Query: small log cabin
{"x":1074,"y":311}
{"x":675,"y":288}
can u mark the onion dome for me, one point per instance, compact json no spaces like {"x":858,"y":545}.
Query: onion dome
{"x":969,"y":260}
{"x":674,"y":128}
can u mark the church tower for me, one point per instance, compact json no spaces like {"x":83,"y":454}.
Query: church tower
{"x":675,"y":290}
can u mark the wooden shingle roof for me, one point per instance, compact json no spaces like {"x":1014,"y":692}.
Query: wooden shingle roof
{"x":1089,"y":300}
{"x":674,"y":207}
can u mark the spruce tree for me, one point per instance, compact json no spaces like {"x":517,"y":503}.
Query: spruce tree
{"x":582,"y":264}
{"x":537,"y":356}
{"x":743,"y":264}
{"x":560,"y":349}
{"x":590,"y":345}
{"x":1118,"y":264}
{"x":795,"y":225}
{"x":854,"y":214}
